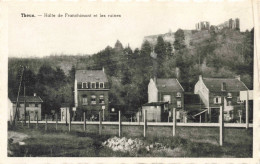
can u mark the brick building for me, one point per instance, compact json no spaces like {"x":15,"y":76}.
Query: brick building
{"x":216,"y":92}
{"x":166,"y":90}
{"x":91,"y":93}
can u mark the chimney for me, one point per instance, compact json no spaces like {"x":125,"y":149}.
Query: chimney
{"x":154,"y":79}
{"x":200,"y":77}
{"x":103,"y":69}
{"x":238,"y":77}
{"x":34,"y":94}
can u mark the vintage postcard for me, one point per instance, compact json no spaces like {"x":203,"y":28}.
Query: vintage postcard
{"x":130,"y":81}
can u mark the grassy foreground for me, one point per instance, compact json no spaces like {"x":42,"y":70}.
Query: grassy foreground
{"x":190,"y":142}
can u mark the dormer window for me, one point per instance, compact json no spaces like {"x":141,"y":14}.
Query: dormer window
{"x":101,"y":85}
{"x":224,"y":86}
{"x":229,"y":95}
{"x":93,"y":85}
{"x":84,"y":85}
{"x":178,"y":94}
{"x":79,"y":85}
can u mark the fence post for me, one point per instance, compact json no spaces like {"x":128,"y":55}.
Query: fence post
{"x":145,"y":122}
{"x":119,"y":123}
{"x":247,"y":124}
{"x":29,"y":120}
{"x":173,"y":121}
{"x":100,"y":123}
{"x":46,"y":124}
{"x":221,"y":126}
{"x":37,"y":121}
{"x":56,"y":117}
{"x":69,"y":122}
{"x":84,"y":116}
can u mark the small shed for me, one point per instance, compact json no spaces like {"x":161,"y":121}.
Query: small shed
{"x":156,"y":111}
{"x":65,"y":112}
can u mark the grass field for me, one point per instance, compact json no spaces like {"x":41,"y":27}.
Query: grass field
{"x":190,"y":142}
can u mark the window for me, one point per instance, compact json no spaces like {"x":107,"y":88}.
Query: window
{"x":93,"y":99}
{"x":229,"y":95}
{"x":84,"y":100}
{"x":93,"y":85}
{"x":178,"y":104}
{"x":217,"y":100}
{"x":97,"y":84}
{"x":88,"y":84}
{"x":101,"y":85}
{"x":84,"y":85}
{"x":178,"y":94}
{"x":167,"y":98}
{"x":229,"y":103}
{"x":36,"y":105}
{"x":101,"y":99}
{"x":79,"y":85}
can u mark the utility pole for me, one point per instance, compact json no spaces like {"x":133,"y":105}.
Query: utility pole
{"x":18,"y":94}
{"x":24,"y":100}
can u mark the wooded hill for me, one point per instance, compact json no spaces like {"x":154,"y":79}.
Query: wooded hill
{"x":224,"y":53}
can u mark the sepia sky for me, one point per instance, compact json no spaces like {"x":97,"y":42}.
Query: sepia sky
{"x":42,"y":36}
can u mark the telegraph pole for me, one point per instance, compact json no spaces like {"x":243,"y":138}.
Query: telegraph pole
{"x":24,"y":99}
{"x":17,"y":99}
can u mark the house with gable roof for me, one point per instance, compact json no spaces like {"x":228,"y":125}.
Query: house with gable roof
{"x":164,"y":94}
{"x":32,"y":106}
{"x":216,"y":92}
{"x":91,"y":93}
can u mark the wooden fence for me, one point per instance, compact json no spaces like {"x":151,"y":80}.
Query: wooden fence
{"x":145,"y":124}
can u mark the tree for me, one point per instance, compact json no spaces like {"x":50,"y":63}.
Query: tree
{"x":179,"y":43}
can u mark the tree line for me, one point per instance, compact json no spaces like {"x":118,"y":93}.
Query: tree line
{"x":224,"y":53}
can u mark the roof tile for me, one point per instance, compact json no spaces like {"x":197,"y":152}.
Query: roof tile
{"x":91,"y":76}
{"x":168,"y":85}
{"x":232,"y":85}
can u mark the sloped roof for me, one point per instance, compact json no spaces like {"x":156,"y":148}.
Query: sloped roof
{"x":90,"y":76}
{"x":232,"y":85}
{"x":32,"y":99}
{"x":168,"y":85}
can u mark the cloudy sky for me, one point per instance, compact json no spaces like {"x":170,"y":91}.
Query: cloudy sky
{"x":43,"y":36}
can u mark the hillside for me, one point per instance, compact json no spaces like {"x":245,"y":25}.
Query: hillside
{"x":184,"y":55}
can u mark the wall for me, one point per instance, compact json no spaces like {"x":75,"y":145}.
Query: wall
{"x":201,"y":89}
{"x":174,"y":99}
{"x":31,"y":109}
{"x":153,"y":113}
{"x":93,"y":108}
{"x":152,"y":92}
